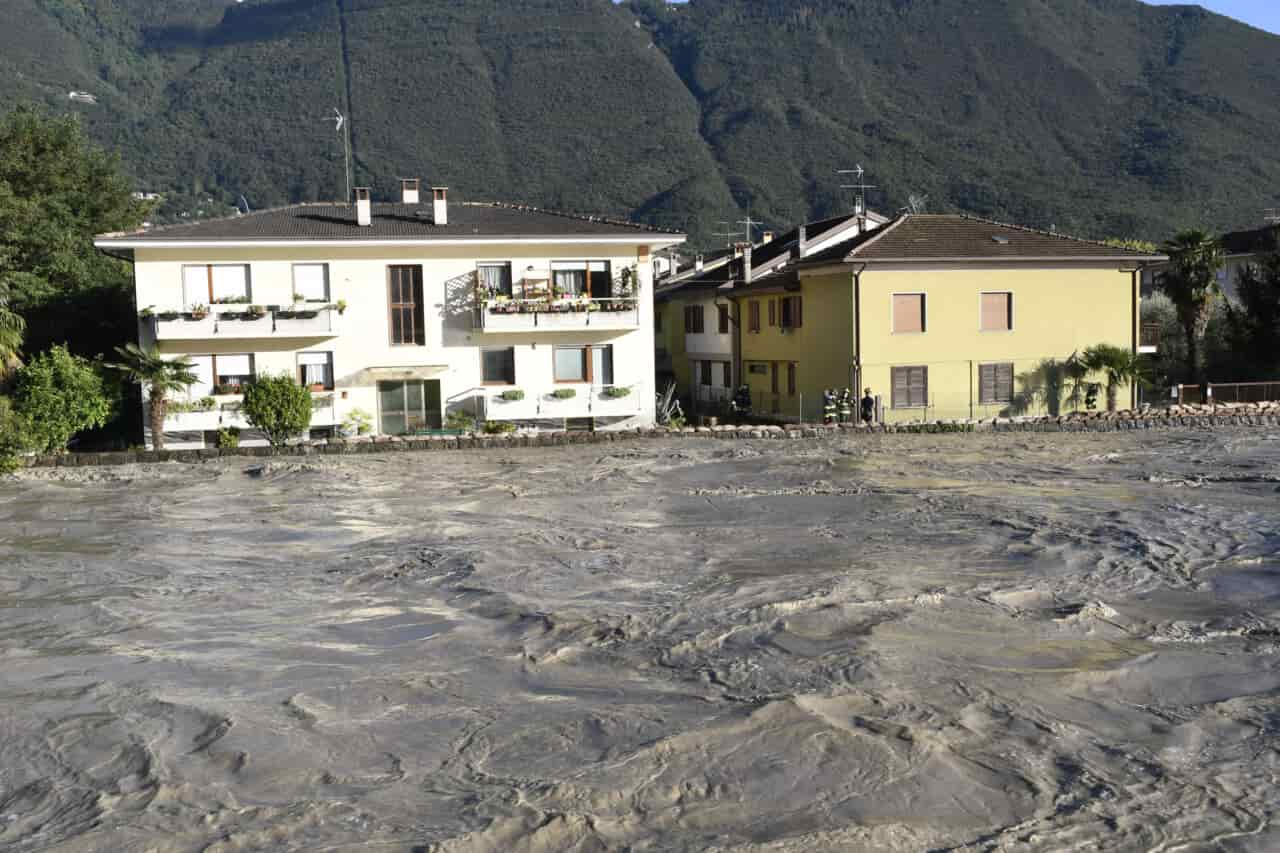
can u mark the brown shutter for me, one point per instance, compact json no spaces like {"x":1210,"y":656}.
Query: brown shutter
{"x":997,"y":312}
{"x":908,"y":312}
{"x":1004,"y":382}
{"x":797,"y":313}
{"x":773,"y":312}
{"x":753,"y":314}
{"x":910,"y":387}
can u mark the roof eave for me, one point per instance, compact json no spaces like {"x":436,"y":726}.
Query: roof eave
{"x":649,"y":239}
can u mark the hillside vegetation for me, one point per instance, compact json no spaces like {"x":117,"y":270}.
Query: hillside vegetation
{"x":1101,"y":117}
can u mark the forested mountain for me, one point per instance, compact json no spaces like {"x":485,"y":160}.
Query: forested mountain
{"x":1102,"y":117}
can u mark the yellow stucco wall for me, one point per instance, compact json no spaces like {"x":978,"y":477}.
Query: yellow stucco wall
{"x":1057,"y":310}
{"x":822,"y":348}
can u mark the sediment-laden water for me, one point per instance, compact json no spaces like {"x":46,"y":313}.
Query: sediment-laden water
{"x":1014,"y":642}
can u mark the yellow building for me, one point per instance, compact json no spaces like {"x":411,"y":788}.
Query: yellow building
{"x":942,"y":316}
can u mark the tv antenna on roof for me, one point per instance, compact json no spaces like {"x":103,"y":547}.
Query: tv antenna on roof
{"x":859,"y":187}
{"x":749,"y":223}
{"x":340,"y":125}
{"x":728,"y":233}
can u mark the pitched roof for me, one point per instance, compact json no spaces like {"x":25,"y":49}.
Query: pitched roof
{"x":1265,"y":239}
{"x":407,"y":222}
{"x":959,"y":237}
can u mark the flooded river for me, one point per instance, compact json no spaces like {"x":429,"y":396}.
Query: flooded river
{"x":894,"y":643}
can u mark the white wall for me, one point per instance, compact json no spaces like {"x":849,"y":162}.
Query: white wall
{"x":360,"y":277}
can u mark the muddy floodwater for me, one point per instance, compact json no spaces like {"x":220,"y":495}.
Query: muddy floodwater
{"x":894,"y":643}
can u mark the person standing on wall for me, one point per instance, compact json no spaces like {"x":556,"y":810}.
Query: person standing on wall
{"x":868,"y":407}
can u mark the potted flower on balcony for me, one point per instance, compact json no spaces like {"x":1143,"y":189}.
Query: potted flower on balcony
{"x":198,"y":311}
{"x":256,"y":311}
{"x":148,"y":312}
{"x":340,"y":306}
{"x":168,"y":315}
{"x":317,"y":386}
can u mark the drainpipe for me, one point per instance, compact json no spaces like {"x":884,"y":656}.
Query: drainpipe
{"x":857,"y":329}
{"x":1135,"y":330}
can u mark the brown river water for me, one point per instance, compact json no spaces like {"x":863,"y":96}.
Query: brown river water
{"x":894,"y":643}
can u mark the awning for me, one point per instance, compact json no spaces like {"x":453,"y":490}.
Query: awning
{"x":371,"y":375}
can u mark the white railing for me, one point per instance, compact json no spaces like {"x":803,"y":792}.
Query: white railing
{"x":497,"y":315}
{"x":601,"y":401}
{"x":223,"y":322}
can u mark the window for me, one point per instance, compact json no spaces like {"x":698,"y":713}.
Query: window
{"x":908,"y":313}
{"x":995,"y":383}
{"x":406,"y":407}
{"x":910,"y":387}
{"x":753,"y":316}
{"x":773,"y":312}
{"x":316,"y":368}
{"x":232,"y":372}
{"x":407,"y":326}
{"x":495,"y":279}
{"x":582,"y":278}
{"x":996,"y":312}
{"x":205,"y":284}
{"x":498,"y":366}
{"x":722,"y":319}
{"x":202,"y":367}
{"x":790,"y":313}
{"x":311,"y":282}
{"x":791,"y":379}
{"x":693,"y":320}
{"x":584,"y":364}
{"x":757,"y":367}
{"x":705,"y":372}
{"x":727,"y":367}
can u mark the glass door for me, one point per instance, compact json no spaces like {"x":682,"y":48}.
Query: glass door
{"x":406,"y":407}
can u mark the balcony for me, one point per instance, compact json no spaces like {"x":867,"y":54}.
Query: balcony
{"x":546,"y":315}
{"x":221,"y":323}
{"x":214,"y":413}
{"x":598,"y":401}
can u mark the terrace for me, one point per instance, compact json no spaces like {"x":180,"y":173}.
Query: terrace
{"x":569,"y":295}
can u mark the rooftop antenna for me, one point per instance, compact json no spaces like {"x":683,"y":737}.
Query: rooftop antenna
{"x":859,"y":188}
{"x":748,"y":224}
{"x":340,"y":125}
{"x":728,"y":233}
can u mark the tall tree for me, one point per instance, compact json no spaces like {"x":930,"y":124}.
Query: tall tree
{"x":1191,"y":283}
{"x":56,"y":192}
{"x":1254,"y":323}
{"x":159,"y":377}
{"x":11,"y":328}
{"x":58,"y":395}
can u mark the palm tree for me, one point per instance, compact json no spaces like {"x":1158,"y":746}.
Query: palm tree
{"x":160,"y":376}
{"x":1121,"y":366}
{"x":1191,"y":283}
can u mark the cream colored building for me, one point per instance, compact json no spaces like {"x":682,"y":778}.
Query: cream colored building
{"x":403,"y":313}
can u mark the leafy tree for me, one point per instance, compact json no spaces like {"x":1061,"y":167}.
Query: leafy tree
{"x":15,"y":437}
{"x":159,"y":377}
{"x":278,"y":406}
{"x":1191,"y":284}
{"x":1133,"y":243}
{"x":1120,"y":365}
{"x":56,"y":192}
{"x":58,"y":395}
{"x":1254,"y":324}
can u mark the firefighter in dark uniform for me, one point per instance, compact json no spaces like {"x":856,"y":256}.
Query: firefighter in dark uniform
{"x":742,"y":401}
{"x":846,"y":406}
{"x":828,"y":406}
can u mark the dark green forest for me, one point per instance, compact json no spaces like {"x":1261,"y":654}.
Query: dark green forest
{"x":1099,"y":117}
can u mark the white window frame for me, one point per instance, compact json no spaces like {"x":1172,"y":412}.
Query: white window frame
{"x":324,"y":267}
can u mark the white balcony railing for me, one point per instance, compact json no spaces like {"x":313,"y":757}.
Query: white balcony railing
{"x":599,"y":401}
{"x":225,"y":411}
{"x":222,"y":322}
{"x":525,"y":315}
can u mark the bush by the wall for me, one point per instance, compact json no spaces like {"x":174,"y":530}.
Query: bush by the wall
{"x":278,"y":406}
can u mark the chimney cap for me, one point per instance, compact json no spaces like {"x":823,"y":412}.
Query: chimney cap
{"x":362,"y":193}
{"x":410,"y":182}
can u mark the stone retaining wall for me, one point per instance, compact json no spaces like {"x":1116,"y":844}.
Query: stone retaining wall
{"x":1204,"y":417}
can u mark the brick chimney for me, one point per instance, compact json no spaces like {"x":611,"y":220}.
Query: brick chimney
{"x":746,"y":264}
{"x":698,"y":263}
{"x":767,"y":237}
{"x":364,"y":208}
{"x":440,"y":205}
{"x":409,"y":190}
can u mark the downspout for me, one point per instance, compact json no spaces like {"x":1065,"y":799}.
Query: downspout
{"x":857,"y":329}
{"x":1135,"y":330}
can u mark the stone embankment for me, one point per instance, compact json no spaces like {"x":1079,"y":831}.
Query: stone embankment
{"x":1173,"y":417}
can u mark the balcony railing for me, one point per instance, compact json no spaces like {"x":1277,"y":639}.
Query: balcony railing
{"x":314,"y":322}
{"x":225,"y":410}
{"x":601,"y":401}
{"x":523,"y":315}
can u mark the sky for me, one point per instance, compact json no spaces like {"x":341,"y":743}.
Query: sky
{"x":1263,"y":14}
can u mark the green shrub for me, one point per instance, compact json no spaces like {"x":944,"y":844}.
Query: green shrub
{"x":229,"y":437}
{"x":564,"y":393}
{"x":57,"y":395}
{"x":278,"y":406}
{"x":513,"y":395}
{"x":461,"y":420}
{"x":615,"y":391}
{"x":357,"y":422}
{"x":498,"y":427}
{"x":15,"y":438}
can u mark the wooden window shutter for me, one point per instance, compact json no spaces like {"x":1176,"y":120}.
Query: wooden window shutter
{"x":773,"y":312}
{"x":910,"y":387}
{"x":797,"y":313}
{"x":753,"y":316}
{"x":908,"y":312}
{"x":997,"y":312}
